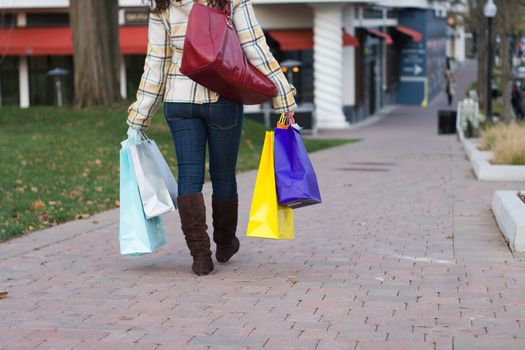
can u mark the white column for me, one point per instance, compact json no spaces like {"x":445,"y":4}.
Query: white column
{"x":349,"y":59}
{"x":21,"y":19}
{"x":328,"y":66}
{"x":123,"y":77}
{"x":121,"y":17}
{"x":23,"y":67}
{"x":23,"y":77}
{"x":460,"y":44}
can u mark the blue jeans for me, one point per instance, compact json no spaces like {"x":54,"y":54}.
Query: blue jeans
{"x":193,"y":126}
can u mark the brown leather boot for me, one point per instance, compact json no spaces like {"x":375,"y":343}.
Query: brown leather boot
{"x":192,"y":213}
{"x":224,"y":228}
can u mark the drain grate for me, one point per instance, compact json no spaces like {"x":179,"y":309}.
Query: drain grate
{"x":363,"y":169}
{"x":373,"y":163}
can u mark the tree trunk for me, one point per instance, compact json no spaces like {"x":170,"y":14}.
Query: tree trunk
{"x":508,"y":20}
{"x":506,"y":78}
{"x":477,"y":23}
{"x":482,"y":67}
{"x":96,"y":51}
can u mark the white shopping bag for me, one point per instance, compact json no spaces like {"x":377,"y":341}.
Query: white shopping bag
{"x":137,"y":234}
{"x":154,"y":193}
{"x":165,"y":170}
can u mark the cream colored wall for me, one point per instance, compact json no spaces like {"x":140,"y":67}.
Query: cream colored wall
{"x":284,"y":16}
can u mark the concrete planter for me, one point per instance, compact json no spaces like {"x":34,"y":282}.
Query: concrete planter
{"x":509,"y":211}
{"x":486,"y":171}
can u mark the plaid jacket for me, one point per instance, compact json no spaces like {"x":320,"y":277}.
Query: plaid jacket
{"x":162,"y":79}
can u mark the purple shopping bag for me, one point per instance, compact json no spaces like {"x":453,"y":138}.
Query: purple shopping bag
{"x":294,"y":174}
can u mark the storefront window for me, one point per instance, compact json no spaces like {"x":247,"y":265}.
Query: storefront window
{"x":134,"y":70}
{"x":42,"y":87}
{"x":7,"y":20}
{"x":9,"y":86}
{"x":47,"y":19}
{"x":302,"y":80}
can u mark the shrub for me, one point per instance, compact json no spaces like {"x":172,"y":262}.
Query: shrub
{"x":507,"y":142}
{"x":490,"y":135}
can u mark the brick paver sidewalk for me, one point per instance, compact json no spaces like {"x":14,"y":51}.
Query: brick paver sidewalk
{"x":403,"y":254}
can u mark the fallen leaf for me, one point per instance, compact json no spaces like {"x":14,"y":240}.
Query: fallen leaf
{"x":95,"y":222}
{"x":52,"y":202}
{"x":83,"y":216}
{"x":38,"y":204}
{"x":3,"y":294}
{"x":98,"y":162}
{"x":117,"y":204}
{"x":18,"y":181}
{"x":248,"y":143}
{"x":360,"y":223}
{"x":34,"y":189}
{"x":43,"y":218}
{"x":380,"y":279}
{"x":73,"y":194}
{"x":292,"y":279}
{"x":99,"y":188}
{"x":19,"y":189}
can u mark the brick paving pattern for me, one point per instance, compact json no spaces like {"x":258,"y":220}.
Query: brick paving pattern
{"x":403,"y":254}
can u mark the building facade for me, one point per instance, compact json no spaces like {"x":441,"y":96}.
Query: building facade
{"x":347,"y":58}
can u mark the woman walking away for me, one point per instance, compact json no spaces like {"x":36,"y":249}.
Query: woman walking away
{"x":449,"y":83}
{"x":198,"y":117}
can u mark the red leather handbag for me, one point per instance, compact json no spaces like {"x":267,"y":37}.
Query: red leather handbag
{"x":213,"y":57}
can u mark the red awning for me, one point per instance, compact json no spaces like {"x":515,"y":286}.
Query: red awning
{"x":292,"y":40}
{"x":303,"y":39}
{"x":387,"y":38}
{"x":133,"y":40}
{"x":350,"y":40}
{"x":35,"y":41}
{"x":415,"y":35}
{"x":55,"y":41}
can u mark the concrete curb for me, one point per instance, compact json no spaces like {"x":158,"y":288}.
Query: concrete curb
{"x":509,"y":211}
{"x":59,"y":233}
{"x":483,"y":169}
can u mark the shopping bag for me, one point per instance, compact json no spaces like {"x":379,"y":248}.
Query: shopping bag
{"x":165,"y":170}
{"x":156,"y":198}
{"x":295,"y":177}
{"x":137,"y":234}
{"x":267,"y":218}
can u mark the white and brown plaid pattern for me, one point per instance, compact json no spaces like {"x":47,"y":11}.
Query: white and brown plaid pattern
{"x":162,"y":79}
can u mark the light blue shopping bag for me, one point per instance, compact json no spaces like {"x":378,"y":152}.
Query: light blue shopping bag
{"x":137,"y":235}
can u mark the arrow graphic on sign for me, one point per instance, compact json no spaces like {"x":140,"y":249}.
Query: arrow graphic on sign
{"x":417,"y":69}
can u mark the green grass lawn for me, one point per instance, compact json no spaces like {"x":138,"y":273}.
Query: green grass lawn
{"x":61,"y":164}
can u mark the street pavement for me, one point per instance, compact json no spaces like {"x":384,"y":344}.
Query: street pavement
{"x":404,"y":253}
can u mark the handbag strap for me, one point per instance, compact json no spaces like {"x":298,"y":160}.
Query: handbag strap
{"x":228,"y":10}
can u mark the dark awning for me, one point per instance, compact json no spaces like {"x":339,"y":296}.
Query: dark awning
{"x":387,"y":38}
{"x":415,"y":35}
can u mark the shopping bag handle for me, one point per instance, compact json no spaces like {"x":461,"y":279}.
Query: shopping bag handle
{"x":286,"y":120}
{"x":136,"y":136}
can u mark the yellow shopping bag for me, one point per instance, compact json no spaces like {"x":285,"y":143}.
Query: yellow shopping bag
{"x":267,"y":218}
